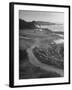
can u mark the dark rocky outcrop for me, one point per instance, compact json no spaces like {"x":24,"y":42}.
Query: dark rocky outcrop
{"x":26,"y":25}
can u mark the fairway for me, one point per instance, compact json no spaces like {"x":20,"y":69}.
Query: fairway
{"x":30,"y":39}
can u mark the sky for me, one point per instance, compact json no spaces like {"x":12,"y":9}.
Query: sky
{"x":56,"y":17}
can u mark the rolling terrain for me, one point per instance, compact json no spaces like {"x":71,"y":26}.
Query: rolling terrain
{"x":41,"y":53}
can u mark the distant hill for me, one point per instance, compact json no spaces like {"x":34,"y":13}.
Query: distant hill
{"x":26,"y":25}
{"x":32,"y":25}
{"x":43,"y":23}
{"x":35,"y":25}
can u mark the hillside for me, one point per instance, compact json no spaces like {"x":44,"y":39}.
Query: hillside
{"x":32,"y":25}
{"x":26,"y":25}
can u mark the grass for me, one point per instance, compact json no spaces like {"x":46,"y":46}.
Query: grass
{"x":25,"y":43}
{"x":26,"y":69}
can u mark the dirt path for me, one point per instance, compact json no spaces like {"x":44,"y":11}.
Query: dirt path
{"x":34,"y":61}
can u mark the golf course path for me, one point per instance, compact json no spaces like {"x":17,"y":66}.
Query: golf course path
{"x":34,"y":61}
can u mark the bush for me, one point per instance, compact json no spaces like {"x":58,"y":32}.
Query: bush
{"x":50,"y":56}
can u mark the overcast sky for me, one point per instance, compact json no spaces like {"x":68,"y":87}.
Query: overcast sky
{"x":57,"y":17}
